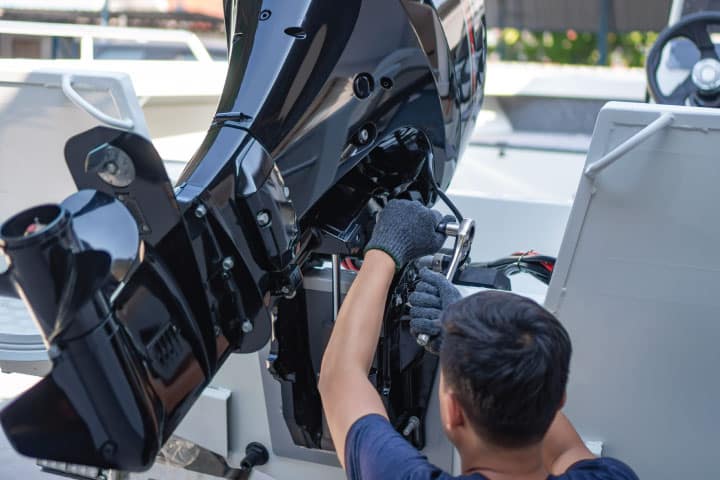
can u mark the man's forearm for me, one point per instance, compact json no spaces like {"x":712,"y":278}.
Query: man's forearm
{"x":346,"y":392}
{"x":356,"y":331}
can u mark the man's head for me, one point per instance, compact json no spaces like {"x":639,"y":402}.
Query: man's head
{"x":505,"y":363}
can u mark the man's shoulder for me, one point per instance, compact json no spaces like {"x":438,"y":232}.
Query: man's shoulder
{"x":374,"y":450}
{"x":605,"y":468}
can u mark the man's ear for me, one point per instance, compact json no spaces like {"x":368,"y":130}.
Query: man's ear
{"x":455,"y":412}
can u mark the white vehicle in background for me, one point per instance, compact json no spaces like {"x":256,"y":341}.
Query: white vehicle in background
{"x":61,"y":41}
{"x":177,"y":78}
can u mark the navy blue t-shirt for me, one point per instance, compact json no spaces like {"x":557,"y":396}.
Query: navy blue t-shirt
{"x":374,"y":450}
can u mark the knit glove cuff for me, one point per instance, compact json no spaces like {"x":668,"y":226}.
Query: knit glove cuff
{"x":406,"y":230}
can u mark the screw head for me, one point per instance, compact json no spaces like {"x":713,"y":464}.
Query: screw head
{"x":363,"y":136}
{"x":54,"y":351}
{"x":111,"y":167}
{"x":386,"y":83}
{"x":247,"y":326}
{"x":263,"y":218}
{"x":112,"y":164}
{"x":200,"y":211}
{"x":228,"y":263}
{"x":108,"y":450}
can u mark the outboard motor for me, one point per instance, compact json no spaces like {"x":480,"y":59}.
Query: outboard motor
{"x":141,"y":290}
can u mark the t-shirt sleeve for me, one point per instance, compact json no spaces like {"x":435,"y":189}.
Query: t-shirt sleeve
{"x":605,"y":468}
{"x":374,"y":450}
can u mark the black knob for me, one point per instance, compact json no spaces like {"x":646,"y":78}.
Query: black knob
{"x":363,"y":85}
{"x":255,"y":454}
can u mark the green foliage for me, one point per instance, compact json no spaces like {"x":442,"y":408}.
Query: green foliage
{"x":572,"y":47}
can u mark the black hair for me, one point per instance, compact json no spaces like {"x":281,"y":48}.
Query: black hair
{"x":507,"y":360}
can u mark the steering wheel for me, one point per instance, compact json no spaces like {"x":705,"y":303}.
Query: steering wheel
{"x":702,"y":86}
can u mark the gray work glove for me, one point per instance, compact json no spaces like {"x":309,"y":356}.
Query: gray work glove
{"x":432,"y":295}
{"x":407,"y":230}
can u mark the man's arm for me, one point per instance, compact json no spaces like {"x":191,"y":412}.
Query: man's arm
{"x":405,"y":230}
{"x":563,"y":447}
{"x":346,"y":392}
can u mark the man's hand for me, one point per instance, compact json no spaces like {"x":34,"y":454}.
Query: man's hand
{"x":432,"y":295}
{"x":407,"y":230}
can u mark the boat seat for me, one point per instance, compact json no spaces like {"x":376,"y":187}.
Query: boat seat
{"x":637,"y":284}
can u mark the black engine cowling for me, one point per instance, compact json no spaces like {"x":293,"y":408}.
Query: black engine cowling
{"x":142,"y":290}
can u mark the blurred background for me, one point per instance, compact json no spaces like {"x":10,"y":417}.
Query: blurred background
{"x":590,"y":32}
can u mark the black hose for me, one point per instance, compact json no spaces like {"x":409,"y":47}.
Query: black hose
{"x":446,"y":200}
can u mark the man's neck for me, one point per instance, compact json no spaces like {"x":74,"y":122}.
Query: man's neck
{"x":503,"y":464}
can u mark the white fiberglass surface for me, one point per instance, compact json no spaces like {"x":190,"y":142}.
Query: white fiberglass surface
{"x":519,"y":175}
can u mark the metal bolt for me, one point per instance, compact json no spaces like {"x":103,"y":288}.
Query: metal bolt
{"x":200,"y":211}
{"x":228,"y":263}
{"x":265,"y":14}
{"x":247,"y":326}
{"x":263,"y":218}
{"x":216,"y":330}
{"x":111,"y":167}
{"x":108,"y":450}
{"x":54,"y":351}
{"x":386,"y":83}
{"x":412,"y":424}
{"x":423,"y":339}
{"x":363,"y":136}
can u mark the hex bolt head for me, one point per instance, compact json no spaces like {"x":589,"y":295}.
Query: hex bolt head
{"x":54,"y":351}
{"x":247,"y":326}
{"x":363,"y":136}
{"x":412,"y":424}
{"x":108,"y":450}
{"x":263,"y":218}
{"x":386,"y":83}
{"x":228,"y":263}
{"x":200,"y":211}
{"x":111,"y":167}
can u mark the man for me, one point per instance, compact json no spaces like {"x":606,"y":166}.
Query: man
{"x":503,"y":371}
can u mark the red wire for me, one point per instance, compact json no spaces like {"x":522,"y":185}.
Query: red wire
{"x":349,"y":265}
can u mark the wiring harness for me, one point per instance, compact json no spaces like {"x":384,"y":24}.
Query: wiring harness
{"x":531,"y":262}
